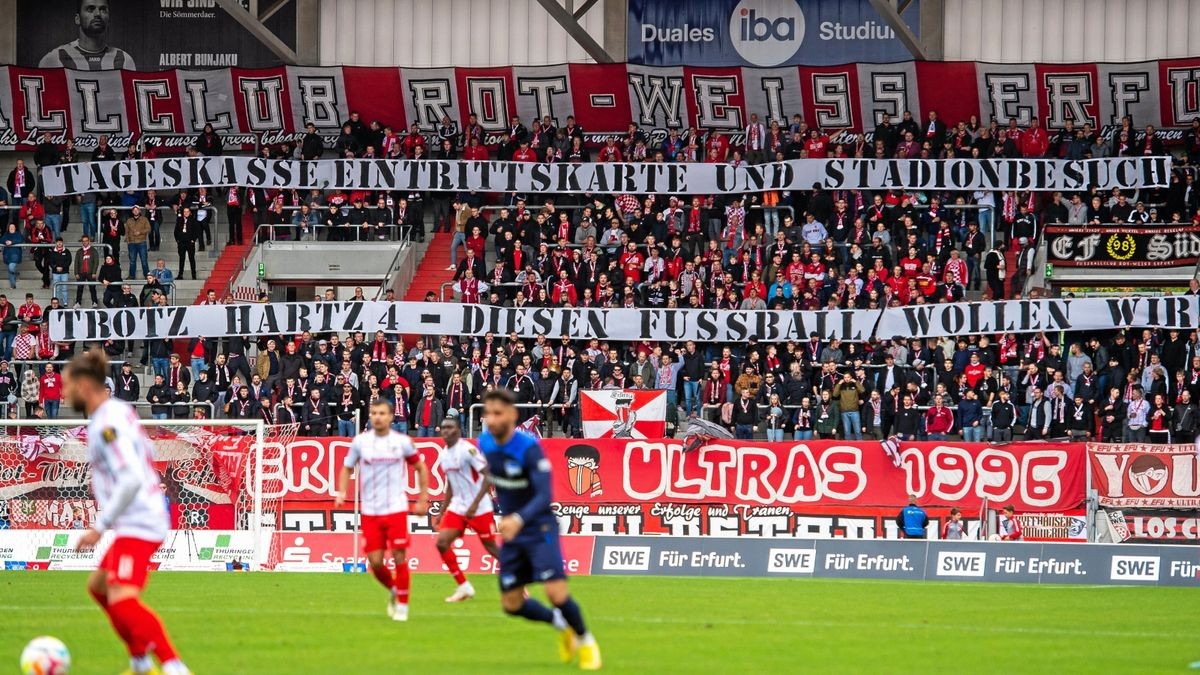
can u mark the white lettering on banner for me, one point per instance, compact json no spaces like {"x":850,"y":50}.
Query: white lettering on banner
{"x":701,"y":325}
{"x":953,"y":474}
{"x":658,"y":469}
{"x":604,"y":178}
{"x":867,"y":562}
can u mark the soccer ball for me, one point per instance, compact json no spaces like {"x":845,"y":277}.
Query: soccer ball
{"x":45,"y":656}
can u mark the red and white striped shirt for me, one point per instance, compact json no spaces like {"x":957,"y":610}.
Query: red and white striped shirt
{"x":383,"y":471}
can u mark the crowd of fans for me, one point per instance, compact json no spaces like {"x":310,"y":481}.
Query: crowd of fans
{"x":804,"y":249}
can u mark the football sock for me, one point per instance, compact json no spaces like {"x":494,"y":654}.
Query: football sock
{"x":534,"y":611}
{"x":141,"y":664}
{"x":144,"y":628}
{"x":451,"y":562}
{"x":102,"y":601}
{"x":573,"y":615}
{"x":384,"y":575}
{"x":559,"y":622}
{"x":402,"y":584}
{"x":175,"y":667}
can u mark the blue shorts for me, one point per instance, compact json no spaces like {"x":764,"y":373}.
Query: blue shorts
{"x":531,"y":558}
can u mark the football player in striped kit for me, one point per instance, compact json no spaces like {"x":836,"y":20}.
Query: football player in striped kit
{"x":129,"y":500}
{"x":467,"y":504}
{"x":384,"y":457}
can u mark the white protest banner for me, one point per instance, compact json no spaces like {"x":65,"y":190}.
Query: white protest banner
{"x":1035,"y":316}
{"x":704,"y":325}
{"x":448,"y":318}
{"x":608,"y":178}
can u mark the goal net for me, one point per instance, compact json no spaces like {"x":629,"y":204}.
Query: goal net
{"x":222,"y":482}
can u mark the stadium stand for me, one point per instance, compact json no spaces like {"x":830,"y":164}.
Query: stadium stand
{"x":807,"y":249}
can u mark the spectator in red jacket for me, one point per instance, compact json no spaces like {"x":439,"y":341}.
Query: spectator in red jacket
{"x":1034,"y":142}
{"x":939,"y":420}
{"x":412,"y":141}
{"x":50,"y":391}
{"x":610,"y":152}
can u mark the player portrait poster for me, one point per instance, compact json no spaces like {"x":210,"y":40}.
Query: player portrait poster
{"x":142,"y":35}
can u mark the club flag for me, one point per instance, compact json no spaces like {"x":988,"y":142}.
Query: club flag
{"x":624,"y":413}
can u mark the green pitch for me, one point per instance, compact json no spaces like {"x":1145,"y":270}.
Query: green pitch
{"x":336,"y":623}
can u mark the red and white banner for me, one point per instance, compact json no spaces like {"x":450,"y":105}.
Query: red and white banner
{"x":619,"y":477}
{"x":1146,"y":476}
{"x":623,"y":413}
{"x":1154,"y":525}
{"x":277,"y":102}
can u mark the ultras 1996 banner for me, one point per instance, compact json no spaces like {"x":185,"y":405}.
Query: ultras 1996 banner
{"x":755,"y":477}
{"x":274,"y":104}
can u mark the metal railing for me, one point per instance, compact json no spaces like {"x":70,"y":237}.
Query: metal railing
{"x":19,"y":366}
{"x":313,"y":232}
{"x":393,"y":276}
{"x":107,"y":249}
{"x":140,"y":405}
{"x":520,"y":406}
{"x":214,"y":250}
{"x":170,"y":288}
{"x":970,"y":207}
{"x":985,"y":416}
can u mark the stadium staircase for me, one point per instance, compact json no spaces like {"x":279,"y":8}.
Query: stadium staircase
{"x":432,"y":272}
{"x":228,"y":265}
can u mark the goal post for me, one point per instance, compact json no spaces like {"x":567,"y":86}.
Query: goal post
{"x":222,"y":482}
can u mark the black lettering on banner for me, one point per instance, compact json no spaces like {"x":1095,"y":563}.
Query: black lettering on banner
{"x":1185,"y":85}
{"x":319,"y":98}
{"x":1005,"y":91}
{"x":1126,"y":91}
{"x":608,"y":178}
{"x":655,"y":92}
{"x":36,"y":115}
{"x":598,"y":324}
{"x":178,"y":328}
{"x":713,"y":110}
{"x":198,"y":98}
{"x":431,"y":101}
{"x":1068,"y":96}
{"x":351,"y":323}
{"x":889,"y":94}
{"x":92,"y":123}
{"x":831,"y":97}
{"x":542,"y":90}
{"x":488,"y":99}
{"x":623,"y":324}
